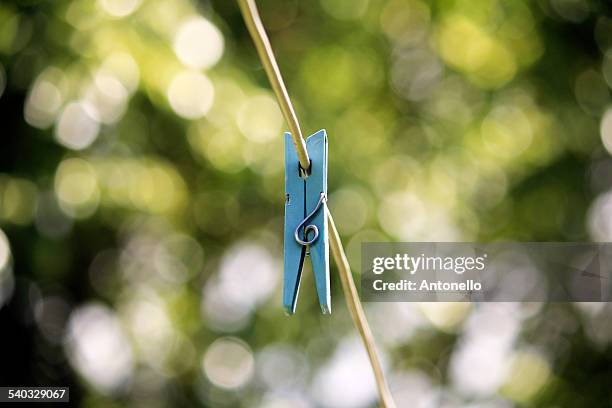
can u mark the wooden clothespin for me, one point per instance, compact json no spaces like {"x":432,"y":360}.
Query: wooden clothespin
{"x":306,"y":220}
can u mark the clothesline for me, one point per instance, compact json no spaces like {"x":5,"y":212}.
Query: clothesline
{"x":264,"y":50}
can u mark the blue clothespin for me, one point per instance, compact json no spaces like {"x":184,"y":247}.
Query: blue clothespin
{"x":306,"y":221}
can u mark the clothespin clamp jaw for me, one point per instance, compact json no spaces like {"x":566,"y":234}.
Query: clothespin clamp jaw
{"x":306,"y":221}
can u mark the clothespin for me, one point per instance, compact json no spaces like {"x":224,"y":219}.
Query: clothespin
{"x":306,"y":220}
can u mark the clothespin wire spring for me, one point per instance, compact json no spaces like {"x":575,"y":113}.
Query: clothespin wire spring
{"x":311,"y":227}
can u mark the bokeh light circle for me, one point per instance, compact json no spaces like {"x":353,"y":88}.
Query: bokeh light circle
{"x":228,"y":363}
{"x":77,"y":127}
{"x":198,"y":43}
{"x":191,"y":94}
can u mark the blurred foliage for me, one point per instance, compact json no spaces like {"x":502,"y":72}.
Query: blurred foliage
{"x":141,"y":196}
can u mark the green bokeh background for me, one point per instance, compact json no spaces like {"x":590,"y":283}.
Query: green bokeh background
{"x":141,"y":196}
